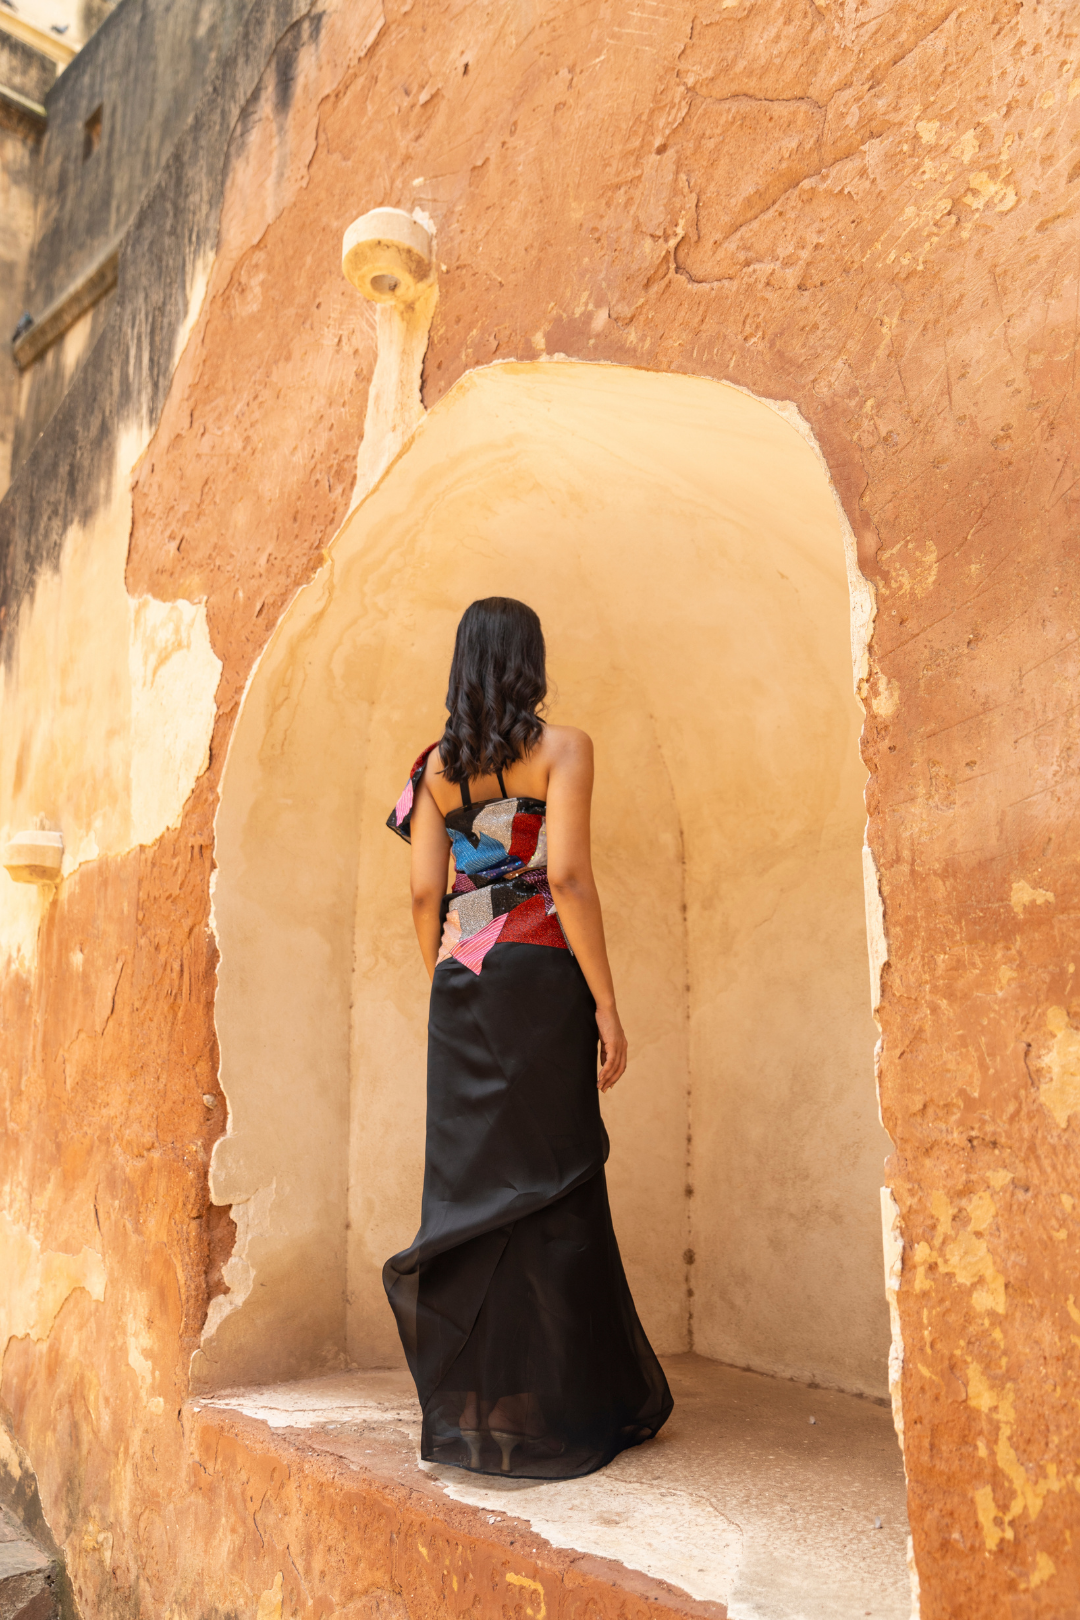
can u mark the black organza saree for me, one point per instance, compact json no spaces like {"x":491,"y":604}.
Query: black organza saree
{"x":512,"y":1304}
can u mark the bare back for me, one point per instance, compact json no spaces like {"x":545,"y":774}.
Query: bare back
{"x":528,"y":778}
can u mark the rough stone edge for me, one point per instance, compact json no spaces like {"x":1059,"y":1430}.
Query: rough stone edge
{"x":19,"y":1494}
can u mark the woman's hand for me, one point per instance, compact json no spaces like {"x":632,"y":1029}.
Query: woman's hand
{"x":612,"y":1047}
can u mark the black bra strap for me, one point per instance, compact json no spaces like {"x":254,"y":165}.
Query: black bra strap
{"x":466,"y":796}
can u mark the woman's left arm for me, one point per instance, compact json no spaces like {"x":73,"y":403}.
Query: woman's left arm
{"x":429,"y":872}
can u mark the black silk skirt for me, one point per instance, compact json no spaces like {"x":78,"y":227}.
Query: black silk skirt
{"x":512,"y":1304}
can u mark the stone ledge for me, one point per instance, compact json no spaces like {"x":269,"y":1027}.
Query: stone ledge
{"x":759,"y":1496}
{"x":17,"y":110}
{"x":28,"y":1576}
{"x":365,"y":1526}
{"x":64,"y":311}
{"x":39,"y":39}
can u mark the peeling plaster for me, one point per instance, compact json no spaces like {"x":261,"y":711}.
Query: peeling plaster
{"x":963,"y":1254}
{"x":270,"y":1602}
{"x":893,"y":1245}
{"x":876,"y":943}
{"x":107,"y":704}
{"x":1029,"y":1485}
{"x":252,"y":1217}
{"x":174,"y":675}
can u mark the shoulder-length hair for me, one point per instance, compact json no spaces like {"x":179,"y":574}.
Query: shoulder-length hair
{"x":498,"y":680}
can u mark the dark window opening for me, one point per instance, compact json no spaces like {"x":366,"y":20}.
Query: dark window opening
{"x":91,"y":134}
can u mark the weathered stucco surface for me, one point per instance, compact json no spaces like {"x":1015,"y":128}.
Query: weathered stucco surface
{"x":869,"y":211}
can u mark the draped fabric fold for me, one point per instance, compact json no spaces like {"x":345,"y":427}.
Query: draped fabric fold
{"x":513,"y":1290}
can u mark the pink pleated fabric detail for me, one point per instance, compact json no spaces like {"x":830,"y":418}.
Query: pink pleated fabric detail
{"x":471,"y":951}
{"x":404,"y":804}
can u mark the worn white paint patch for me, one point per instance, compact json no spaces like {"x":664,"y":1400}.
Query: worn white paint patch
{"x":1023,"y":895}
{"x":140,"y":1345}
{"x":1060,"y":1090}
{"x":876,"y":943}
{"x":106,"y":707}
{"x":174,"y":676}
{"x":893,"y":1246}
{"x":270,"y":1602}
{"x":35,"y":1282}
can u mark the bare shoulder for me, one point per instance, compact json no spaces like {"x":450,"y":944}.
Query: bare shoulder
{"x":568,"y":745}
{"x":433,"y":777}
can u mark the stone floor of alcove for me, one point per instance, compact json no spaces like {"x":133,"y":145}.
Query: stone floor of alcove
{"x":741,"y":1499}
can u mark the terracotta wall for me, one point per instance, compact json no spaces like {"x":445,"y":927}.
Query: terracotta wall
{"x":867,"y":211}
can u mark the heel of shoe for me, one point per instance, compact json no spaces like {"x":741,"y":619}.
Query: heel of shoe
{"x":472,"y":1438}
{"x":507,"y":1444}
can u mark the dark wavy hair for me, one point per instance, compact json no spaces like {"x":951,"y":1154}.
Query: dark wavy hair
{"x":498,"y":680}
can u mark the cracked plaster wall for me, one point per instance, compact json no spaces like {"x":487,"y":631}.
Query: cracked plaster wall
{"x":865,"y":210}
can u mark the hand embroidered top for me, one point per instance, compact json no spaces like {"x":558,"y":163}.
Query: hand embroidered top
{"x":500,"y":892}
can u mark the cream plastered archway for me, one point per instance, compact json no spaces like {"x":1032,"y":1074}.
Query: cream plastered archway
{"x":682,"y":544}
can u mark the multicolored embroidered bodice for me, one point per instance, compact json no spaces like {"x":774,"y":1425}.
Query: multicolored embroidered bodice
{"x":500,"y":892}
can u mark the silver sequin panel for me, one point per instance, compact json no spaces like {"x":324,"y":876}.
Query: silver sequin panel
{"x":497,"y":821}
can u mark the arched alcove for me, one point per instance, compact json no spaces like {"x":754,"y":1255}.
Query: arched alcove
{"x":683,"y":547}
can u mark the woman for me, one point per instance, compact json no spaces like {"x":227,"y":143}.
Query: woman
{"x":513,"y":1308}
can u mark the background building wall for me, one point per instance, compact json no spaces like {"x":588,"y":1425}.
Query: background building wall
{"x":28,"y":75}
{"x":866,"y":211}
{"x":114,"y":115}
{"x":38,"y":40}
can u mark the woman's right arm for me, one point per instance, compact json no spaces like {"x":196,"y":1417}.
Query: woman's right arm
{"x":573,"y":888}
{"x":428,"y":873}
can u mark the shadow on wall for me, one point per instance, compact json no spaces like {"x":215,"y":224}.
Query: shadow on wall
{"x":682,"y":545}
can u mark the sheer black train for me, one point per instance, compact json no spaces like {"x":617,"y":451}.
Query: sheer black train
{"x":513,"y":1292}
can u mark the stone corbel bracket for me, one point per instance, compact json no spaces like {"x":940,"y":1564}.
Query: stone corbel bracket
{"x":388,"y":255}
{"x":35,"y":856}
